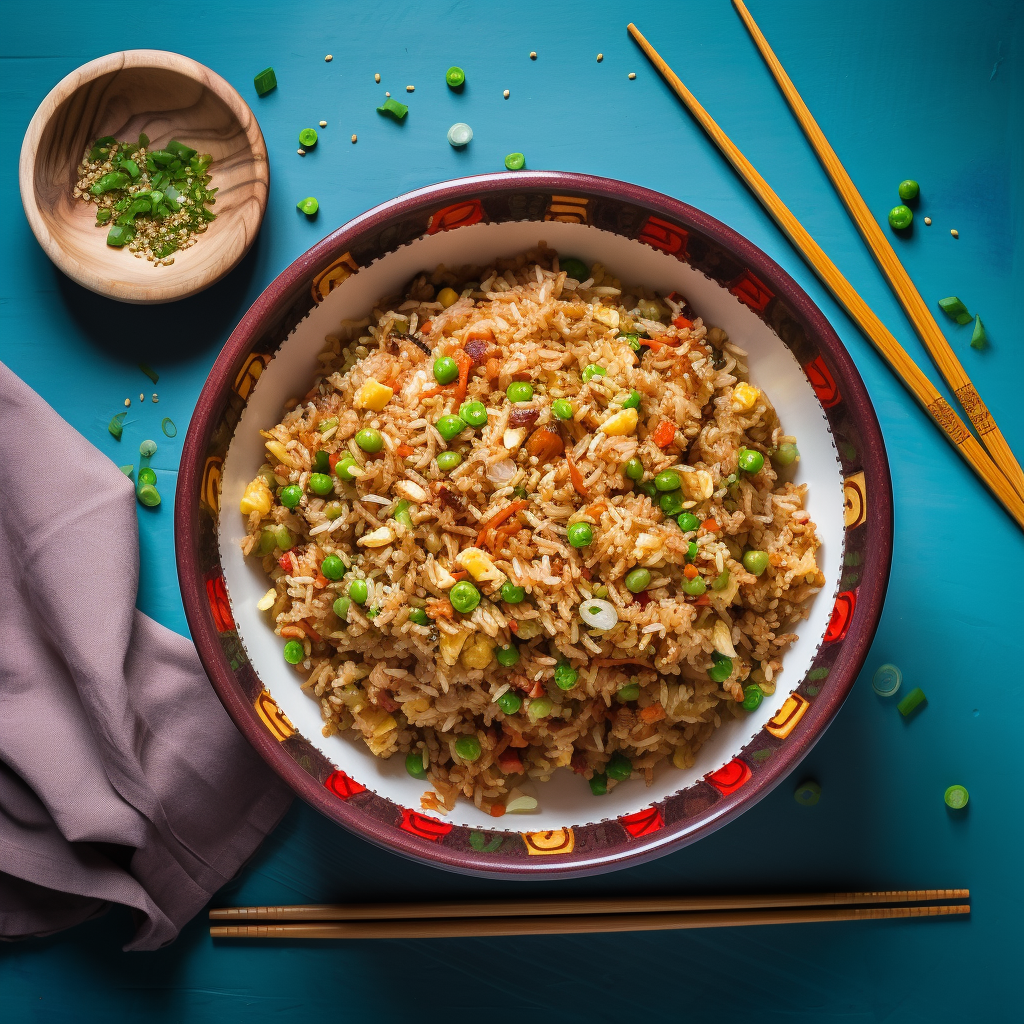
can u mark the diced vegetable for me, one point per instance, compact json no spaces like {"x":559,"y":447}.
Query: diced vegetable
{"x":886,"y":680}
{"x":956,"y":797}
{"x":978,"y":335}
{"x":621,"y":423}
{"x":955,"y":310}
{"x":393,"y":108}
{"x":807,"y":793}
{"x":599,"y":614}
{"x":912,"y":701}
{"x":373,"y":395}
{"x":265,"y":81}
{"x":114,"y":426}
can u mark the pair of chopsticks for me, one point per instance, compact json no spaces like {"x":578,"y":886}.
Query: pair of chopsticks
{"x":997,"y":467}
{"x":576,"y":916}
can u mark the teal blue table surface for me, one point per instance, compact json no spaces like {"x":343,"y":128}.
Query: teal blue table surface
{"x":927,"y":89}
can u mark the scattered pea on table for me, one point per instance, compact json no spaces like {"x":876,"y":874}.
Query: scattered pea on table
{"x":956,"y":797}
{"x":912,"y":701}
{"x":901,"y":217}
{"x":807,"y":793}
{"x":265,"y":81}
{"x":515,"y":161}
{"x":909,"y":190}
{"x":308,"y":206}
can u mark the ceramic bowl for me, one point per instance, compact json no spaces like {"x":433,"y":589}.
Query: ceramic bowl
{"x":167,"y":96}
{"x":641,"y":236}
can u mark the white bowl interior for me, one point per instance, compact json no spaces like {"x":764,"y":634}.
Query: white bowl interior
{"x":566,"y":799}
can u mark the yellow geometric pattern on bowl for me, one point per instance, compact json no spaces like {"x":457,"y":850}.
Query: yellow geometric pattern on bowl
{"x":210,"y":491}
{"x":787,"y":717}
{"x":568,"y":209}
{"x":855,"y":500}
{"x":273,"y":717}
{"x":544,"y":844}
{"x":246,"y":378}
{"x":327,"y":280}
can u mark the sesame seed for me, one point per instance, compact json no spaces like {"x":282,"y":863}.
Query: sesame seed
{"x":632,"y":75}
{"x":410,"y":88}
{"x":954,"y":232}
{"x":353,"y":138}
{"x":927,"y":220}
{"x":155,"y":397}
{"x":142,"y":398}
{"x":329,"y":58}
{"x":323,"y":124}
{"x":301,"y":152}
{"x":600,"y":57}
{"x":533,"y":55}
{"x":505,"y":94}
{"x":387,"y":94}
{"x":376,"y":78}
{"x":127,"y":402}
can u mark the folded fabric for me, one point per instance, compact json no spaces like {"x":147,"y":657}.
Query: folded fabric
{"x":122,"y":778}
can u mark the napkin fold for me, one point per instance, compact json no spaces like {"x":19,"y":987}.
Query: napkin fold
{"x":122,"y":778}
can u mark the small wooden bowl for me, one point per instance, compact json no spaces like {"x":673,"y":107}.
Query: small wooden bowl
{"x":167,"y":96}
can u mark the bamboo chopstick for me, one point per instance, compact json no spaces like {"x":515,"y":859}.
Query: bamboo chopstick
{"x":900,"y":362}
{"x":465,"y":927}
{"x":565,"y":907}
{"x":888,"y":262}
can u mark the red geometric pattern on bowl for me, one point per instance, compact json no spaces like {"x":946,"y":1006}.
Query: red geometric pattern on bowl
{"x":710,"y":248}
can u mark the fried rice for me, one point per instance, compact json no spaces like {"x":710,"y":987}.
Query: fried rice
{"x":574,"y":670}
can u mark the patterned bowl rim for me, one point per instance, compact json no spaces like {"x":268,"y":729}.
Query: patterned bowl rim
{"x":637,"y":844}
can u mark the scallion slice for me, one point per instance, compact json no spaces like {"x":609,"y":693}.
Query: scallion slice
{"x":149,"y":372}
{"x":147,"y":449}
{"x":978,"y":337}
{"x":149,"y":496}
{"x":114,"y":426}
{"x":955,"y":310}
{"x":168,"y":427}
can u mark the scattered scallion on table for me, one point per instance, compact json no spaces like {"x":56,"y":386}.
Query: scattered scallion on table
{"x":168,"y":427}
{"x":115,"y":425}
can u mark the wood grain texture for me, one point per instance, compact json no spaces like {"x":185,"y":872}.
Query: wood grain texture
{"x":443,"y":928}
{"x":166,"y":96}
{"x":874,"y":330}
{"x":903,"y":287}
{"x":562,"y":907}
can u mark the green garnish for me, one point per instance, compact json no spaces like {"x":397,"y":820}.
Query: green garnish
{"x":168,"y":427}
{"x":114,"y":426}
{"x":149,"y":496}
{"x":515,"y":162}
{"x":955,"y":309}
{"x":308,"y":206}
{"x":978,"y":336}
{"x":912,"y":701}
{"x":265,"y":81}
{"x":147,"y":475}
{"x":127,"y":470}
{"x":147,"y":449}
{"x":149,"y":372}
{"x":307,"y":137}
{"x":392,"y":107}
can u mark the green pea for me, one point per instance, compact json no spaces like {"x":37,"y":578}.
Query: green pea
{"x":332,"y":567}
{"x":519,"y":391}
{"x":285,"y":541}
{"x":599,"y":784}
{"x":333,"y":510}
{"x":750,"y":461}
{"x":322,"y":462}
{"x":343,"y":467}
{"x":294,"y":652}
{"x":648,"y":488}
{"x":538,"y":708}
{"x":628,"y":692}
{"x":268,"y":541}
{"x":752,"y":697}
{"x":691,"y":550}
{"x":580,"y":535}
{"x":447,"y":461}
{"x":507,"y":656}
{"x":445,"y":370}
{"x":455,"y":77}
{"x":909,"y":190}
{"x":291,"y":496}
{"x":369,"y":440}
{"x":755,"y":561}
{"x":467,"y":747}
{"x":592,"y":370}
{"x":473,"y":413}
{"x":637,"y":580}
{"x":694,"y":587}
{"x":509,"y":702}
{"x":464,"y":596}
{"x":341,"y":607}
{"x":515,"y":161}
{"x":511,"y":594}
{"x":358,"y":591}
{"x":721,"y":581}
{"x":419,"y":616}
{"x":634,"y":469}
{"x":619,"y":767}
{"x":667,"y":480}
{"x":448,"y":426}
{"x":900,"y":217}
{"x":786,"y":454}
{"x":671,"y":503}
{"x":414,"y":764}
{"x":320,"y":483}
{"x":565,"y":676}
{"x":562,"y":408}
{"x":633,"y":402}
{"x":576,"y":269}
{"x":688,"y":522}
{"x":721,"y":667}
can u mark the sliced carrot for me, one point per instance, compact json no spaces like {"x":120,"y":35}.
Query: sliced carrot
{"x":440,"y":610}
{"x":403,"y":451}
{"x":310,"y":631}
{"x":320,"y":582}
{"x":652,"y":713}
{"x":513,"y":625}
{"x":334,"y":456}
{"x":537,"y":690}
{"x":465,"y":365}
{"x":430,"y":392}
{"x":613,"y":662}
{"x":578,"y":483}
{"x":492,"y":368}
{"x":655,"y":343}
{"x":499,"y":517}
{"x":702,"y":600}
{"x":293,"y":631}
{"x":497,"y":810}
{"x":496,"y":539}
{"x":690,"y":571}
{"x":518,"y":740}
{"x":664,"y":433}
{"x":682,"y":323}
{"x":545,"y":444}
{"x":711,"y":525}
{"x":427,"y":327}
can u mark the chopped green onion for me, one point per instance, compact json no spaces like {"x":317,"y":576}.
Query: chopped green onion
{"x":307,"y":137}
{"x":978,"y":337}
{"x":127,"y":470}
{"x":956,"y":797}
{"x":308,"y":206}
{"x":147,"y":449}
{"x":132,"y":169}
{"x":120,"y":235}
{"x":114,"y":426}
{"x":955,"y":309}
{"x":147,"y":475}
{"x":912,"y":701}
{"x":807,"y":793}
{"x":393,"y":108}
{"x":179,"y":149}
{"x":168,"y":427}
{"x":149,"y":496}
{"x":515,"y":161}
{"x":265,"y":81}
{"x":149,"y":372}
{"x":102,"y":216}
{"x":886,"y":680}
{"x":109,"y":182}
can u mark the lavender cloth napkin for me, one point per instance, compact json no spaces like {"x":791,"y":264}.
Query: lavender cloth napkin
{"x":122,"y":779}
